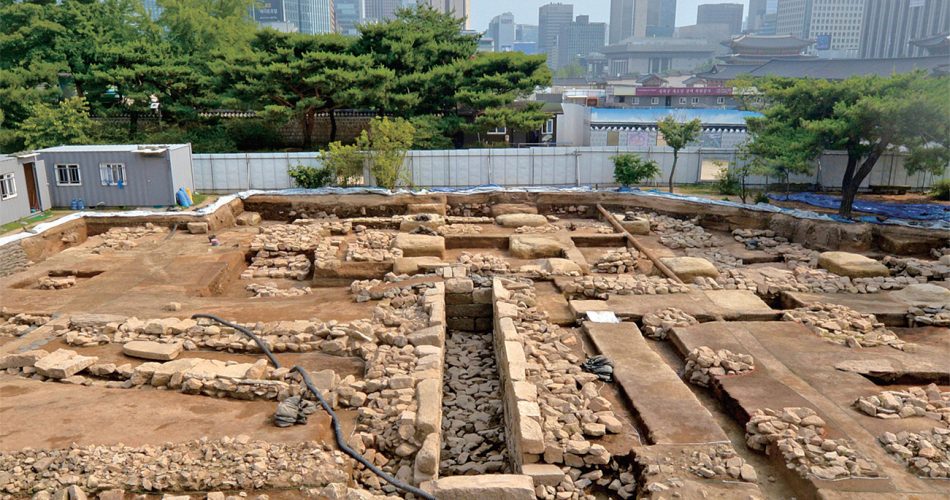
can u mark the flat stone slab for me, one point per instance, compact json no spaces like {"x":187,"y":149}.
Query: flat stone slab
{"x":63,"y":363}
{"x":690,"y":268}
{"x":512,"y":208}
{"x":483,"y":487}
{"x":413,"y":265}
{"x":924,"y":294}
{"x":665,"y":405}
{"x":532,"y":246}
{"x":638,"y":226}
{"x":426,"y":208}
{"x":147,"y":349}
{"x":420,"y":245}
{"x":560,"y":266}
{"x":851,"y":265}
{"x":709,"y":305}
{"x":519,"y":220}
{"x":248,"y":219}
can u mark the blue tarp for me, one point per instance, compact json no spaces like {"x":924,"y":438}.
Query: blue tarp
{"x":909,"y":211}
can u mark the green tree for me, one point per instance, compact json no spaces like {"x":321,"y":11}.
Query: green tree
{"x":630,"y":169}
{"x":65,"y":123}
{"x":677,"y":135}
{"x":299,"y":76}
{"x":309,"y":177}
{"x":437,"y":72}
{"x":573,"y":70}
{"x":865,"y":116}
{"x":386,"y":145}
{"x":345,"y":161}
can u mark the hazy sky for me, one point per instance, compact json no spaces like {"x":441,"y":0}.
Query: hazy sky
{"x":526,"y":11}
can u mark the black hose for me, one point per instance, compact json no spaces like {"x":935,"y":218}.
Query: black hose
{"x":337,"y":430}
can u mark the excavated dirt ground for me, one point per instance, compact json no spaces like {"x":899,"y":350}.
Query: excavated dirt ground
{"x":794,"y":366}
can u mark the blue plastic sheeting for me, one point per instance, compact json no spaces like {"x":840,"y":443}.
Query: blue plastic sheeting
{"x":910,"y":211}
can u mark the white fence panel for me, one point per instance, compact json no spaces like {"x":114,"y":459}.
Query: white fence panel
{"x":527,"y":167}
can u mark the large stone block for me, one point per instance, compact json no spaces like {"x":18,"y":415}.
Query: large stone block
{"x":851,"y":265}
{"x":639,"y":226}
{"x":21,"y":359}
{"x":532,"y":246}
{"x":427,"y":459}
{"x":923,"y":294}
{"x":146,"y":349}
{"x":560,"y":267}
{"x":63,"y":363}
{"x":164,"y":373}
{"x":519,"y":220}
{"x":483,"y":487}
{"x":429,"y":414}
{"x":420,"y":245}
{"x":544,"y":474}
{"x":512,"y":208}
{"x":415,"y":265}
{"x":432,"y":336}
{"x":198,"y":227}
{"x":690,"y":268}
{"x":248,"y":219}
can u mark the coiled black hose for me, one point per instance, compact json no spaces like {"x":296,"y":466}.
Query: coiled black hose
{"x":337,"y":430}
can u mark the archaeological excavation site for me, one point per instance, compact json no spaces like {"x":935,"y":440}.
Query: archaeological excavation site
{"x":483,"y":345}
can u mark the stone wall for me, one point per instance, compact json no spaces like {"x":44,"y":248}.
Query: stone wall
{"x":522,"y":413}
{"x":468,"y":307}
{"x":13,"y":259}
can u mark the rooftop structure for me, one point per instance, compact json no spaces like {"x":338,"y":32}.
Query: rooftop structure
{"x":759,"y":49}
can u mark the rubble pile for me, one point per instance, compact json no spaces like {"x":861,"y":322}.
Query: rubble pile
{"x":771,"y":283}
{"x":200,"y":465}
{"x":926,"y":453}
{"x":929,"y":316}
{"x":547,"y":228}
{"x":372,"y":246}
{"x":845,"y":326}
{"x":617,"y":261}
{"x":57,"y":282}
{"x":270,"y":290}
{"x":599,"y":287}
{"x":19,"y":324}
{"x":473,"y":425}
{"x":798,"y":433}
{"x":469,"y":209}
{"x":483,"y":263}
{"x":677,"y":233}
{"x":457,"y":229}
{"x":125,"y":238}
{"x":574,"y":210}
{"x":326,"y":226}
{"x":278,"y":265}
{"x":327,"y":253}
{"x":926,"y":401}
{"x":658,"y":324}
{"x":703,"y":364}
{"x":293,"y":238}
{"x":923,"y":270}
{"x":767,"y":241}
{"x":720,"y":258}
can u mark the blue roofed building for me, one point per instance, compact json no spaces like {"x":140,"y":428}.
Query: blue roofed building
{"x":636,"y":127}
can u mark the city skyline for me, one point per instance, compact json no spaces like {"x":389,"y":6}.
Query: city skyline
{"x":526,"y":12}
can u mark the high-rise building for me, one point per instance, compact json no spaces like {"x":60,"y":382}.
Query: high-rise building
{"x":304,"y":16}
{"x":756,"y":17}
{"x":721,"y":13}
{"x":459,"y":8}
{"x":889,"y":26}
{"x":576,"y":40}
{"x":501,"y":30}
{"x":551,"y":18}
{"x":349,"y":14}
{"x":526,"y":33}
{"x":628,"y":18}
{"x":835,"y":25}
{"x":661,"y":18}
{"x":380,"y":10}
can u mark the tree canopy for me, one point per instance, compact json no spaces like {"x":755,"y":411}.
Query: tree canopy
{"x":677,"y":135}
{"x":864,"y":116}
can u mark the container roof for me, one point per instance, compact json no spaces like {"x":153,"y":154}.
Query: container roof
{"x":652,"y":115}
{"x":110,"y":148}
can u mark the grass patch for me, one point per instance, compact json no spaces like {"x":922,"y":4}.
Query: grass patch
{"x":30,"y":221}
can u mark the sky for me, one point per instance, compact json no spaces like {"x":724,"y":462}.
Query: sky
{"x":526,"y":11}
